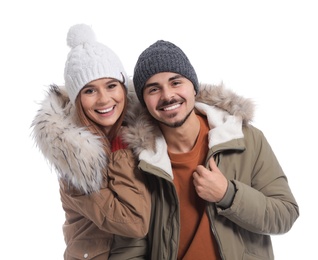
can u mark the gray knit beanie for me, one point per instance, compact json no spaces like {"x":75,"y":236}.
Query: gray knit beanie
{"x":89,"y":60}
{"x":162,"y":56}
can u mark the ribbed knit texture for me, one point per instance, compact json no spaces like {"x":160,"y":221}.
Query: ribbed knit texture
{"x":162,"y":56}
{"x":89,"y":60}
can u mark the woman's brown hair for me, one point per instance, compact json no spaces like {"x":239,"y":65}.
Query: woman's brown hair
{"x":97,"y":129}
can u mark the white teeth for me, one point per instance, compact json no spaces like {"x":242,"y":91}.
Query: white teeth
{"x":171,"y":108}
{"x":106,"y":110}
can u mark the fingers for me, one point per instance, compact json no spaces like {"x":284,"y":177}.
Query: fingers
{"x":201,"y":169}
{"x":212,"y":163}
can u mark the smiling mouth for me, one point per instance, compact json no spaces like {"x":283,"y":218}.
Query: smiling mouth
{"x":171,"y":107}
{"x":104,"y":111}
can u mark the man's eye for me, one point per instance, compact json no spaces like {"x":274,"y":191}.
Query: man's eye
{"x":152,"y":90}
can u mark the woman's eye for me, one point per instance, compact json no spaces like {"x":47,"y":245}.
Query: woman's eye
{"x":88,"y":91}
{"x":112,"y":85}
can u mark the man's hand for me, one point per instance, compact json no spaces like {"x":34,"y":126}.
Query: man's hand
{"x":210,"y":185}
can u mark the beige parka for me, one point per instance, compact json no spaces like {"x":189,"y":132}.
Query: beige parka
{"x":106,"y":200}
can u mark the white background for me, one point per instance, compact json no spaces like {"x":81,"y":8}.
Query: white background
{"x":263,"y":50}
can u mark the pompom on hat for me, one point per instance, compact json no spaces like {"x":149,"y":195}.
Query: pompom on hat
{"x":89,"y":60}
{"x":162,"y":56}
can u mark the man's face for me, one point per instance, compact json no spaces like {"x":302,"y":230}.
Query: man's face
{"x":169,"y":98}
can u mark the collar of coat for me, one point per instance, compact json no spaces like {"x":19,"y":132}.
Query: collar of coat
{"x":78,"y":156}
{"x":226,"y":113}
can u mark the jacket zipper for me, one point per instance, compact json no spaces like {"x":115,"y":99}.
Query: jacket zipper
{"x":210,"y":210}
{"x":177,"y":208}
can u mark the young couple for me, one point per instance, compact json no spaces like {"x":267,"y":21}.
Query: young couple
{"x":174,"y":172}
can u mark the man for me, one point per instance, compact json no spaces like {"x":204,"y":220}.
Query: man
{"x":218,"y":191}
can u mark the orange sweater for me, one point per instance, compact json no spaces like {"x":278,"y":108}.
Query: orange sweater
{"x":196,"y":239}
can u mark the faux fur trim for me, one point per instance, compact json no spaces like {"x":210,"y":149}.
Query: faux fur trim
{"x":226,"y":99}
{"x":143,"y":131}
{"x":78,"y":155}
{"x":75,"y":153}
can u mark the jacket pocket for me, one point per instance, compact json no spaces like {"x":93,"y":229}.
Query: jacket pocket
{"x":257,"y":246}
{"x":92,"y":249}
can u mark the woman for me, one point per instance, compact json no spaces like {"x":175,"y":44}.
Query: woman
{"x":78,"y":129}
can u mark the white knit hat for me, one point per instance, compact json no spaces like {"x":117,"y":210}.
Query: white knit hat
{"x":89,"y":60}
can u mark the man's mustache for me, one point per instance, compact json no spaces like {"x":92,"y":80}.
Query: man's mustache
{"x":164,"y":103}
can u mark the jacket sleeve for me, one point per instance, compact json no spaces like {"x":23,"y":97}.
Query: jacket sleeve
{"x":263,"y":202}
{"x":122,"y":206}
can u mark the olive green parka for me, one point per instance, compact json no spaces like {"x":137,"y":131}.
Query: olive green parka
{"x":258,"y":202}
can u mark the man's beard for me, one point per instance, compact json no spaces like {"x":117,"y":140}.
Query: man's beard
{"x":178,"y":123}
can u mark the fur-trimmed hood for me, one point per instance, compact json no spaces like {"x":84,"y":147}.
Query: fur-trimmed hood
{"x":76,"y":154}
{"x":223,"y":108}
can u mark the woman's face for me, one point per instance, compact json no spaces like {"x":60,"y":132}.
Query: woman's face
{"x":103,"y":101}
